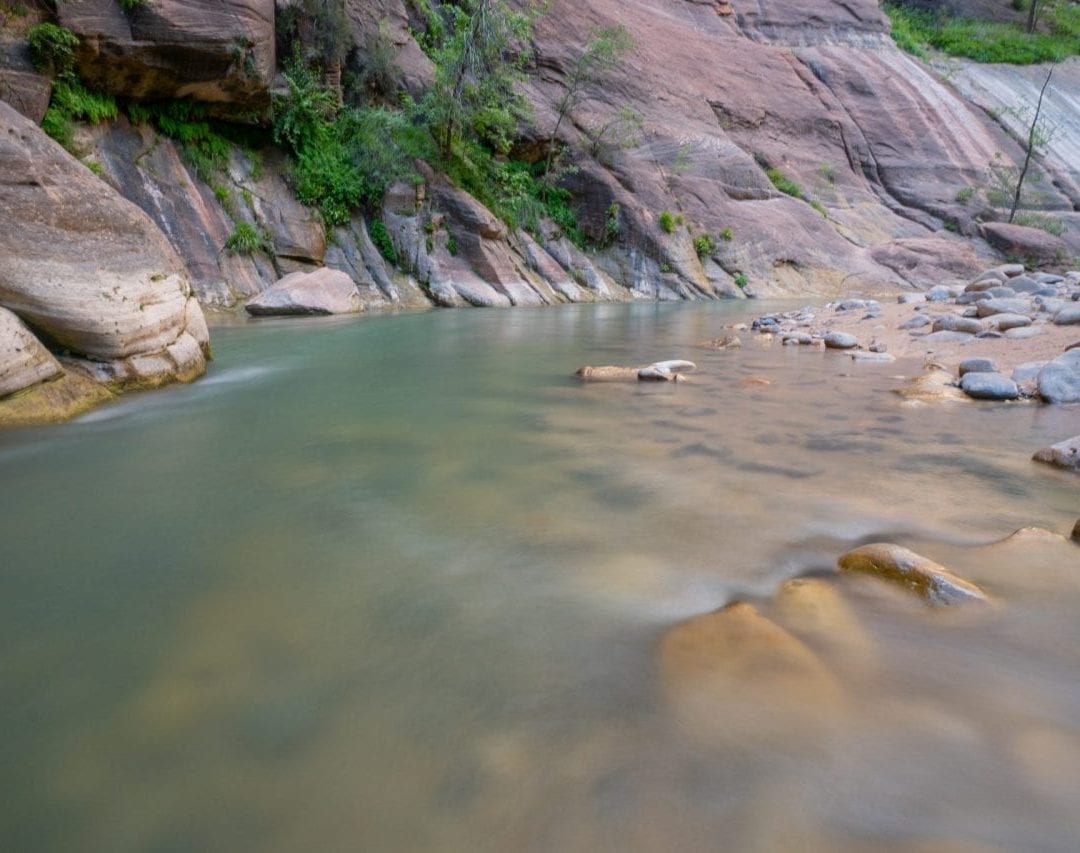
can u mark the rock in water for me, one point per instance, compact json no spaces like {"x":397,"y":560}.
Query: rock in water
{"x":734,"y":675}
{"x":1065,"y":454}
{"x":989,"y":386}
{"x":840,"y":340}
{"x":930,"y":581}
{"x":607,"y":373}
{"x":324,"y":291}
{"x":90,"y":269}
{"x":1059,"y":380}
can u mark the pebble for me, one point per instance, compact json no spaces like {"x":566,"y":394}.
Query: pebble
{"x":989,"y":333}
{"x":1002,"y":292}
{"x":989,"y":307}
{"x":866,"y":355}
{"x":956,"y":323}
{"x":971,"y":298}
{"x":938,"y":293}
{"x":1050,"y":305}
{"x":801,"y":338}
{"x":840,"y":340}
{"x":1024,"y":284}
{"x":1028,"y":370}
{"x":945,"y":337}
{"x":1023,"y":333}
{"x":1068,"y":316}
{"x":977,"y":365}
{"x":913,"y":572}
{"x":989,"y":386}
{"x":1004,"y":322}
{"x":909,"y":298}
{"x":916,"y":322}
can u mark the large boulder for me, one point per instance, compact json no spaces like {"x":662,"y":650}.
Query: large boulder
{"x":1021,"y":241}
{"x":1065,"y":454}
{"x":88,"y":271}
{"x":24,"y":361}
{"x":324,"y":291}
{"x":220,"y":51}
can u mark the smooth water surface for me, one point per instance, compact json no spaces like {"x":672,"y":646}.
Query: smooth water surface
{"x":397,"y":583}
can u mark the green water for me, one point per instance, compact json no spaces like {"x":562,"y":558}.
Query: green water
{"x":397,"y":583}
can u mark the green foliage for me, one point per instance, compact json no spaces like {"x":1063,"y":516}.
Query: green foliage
{"x":72,"y":102}
{"x":827,"y":172}
{"x":819,"y":207}
{"x":987,"y":41}
{"x":1049,"y":224}
{"x":52,"y":48}
{"x":670,"y":221}
{"x":965,"y":194}
{"x":246,"y":239}
{"x":612,"y":225}
{"x":95,"y":167}
{"x":313,"y":32}
{"x":727,"y":234}
{"x":380,"y":236}
{"x":479,"y":65}
{"x":451,"y":245}
{"x":741,"y":280}
{"x":783,"y":183}
{"x":131,"y":5}
{"x":704,"y":245}
{"x":200,"y":141}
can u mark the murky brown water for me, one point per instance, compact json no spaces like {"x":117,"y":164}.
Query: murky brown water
{"x":399,"y":583}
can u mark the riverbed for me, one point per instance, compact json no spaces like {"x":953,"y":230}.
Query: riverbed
{"x":397,"y":583}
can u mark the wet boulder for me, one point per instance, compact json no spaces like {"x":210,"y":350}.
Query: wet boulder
{"x":897,"y":565}
{"x":840,"y":340}
{"x":1059,"y":380}
{"x":989,"y":386}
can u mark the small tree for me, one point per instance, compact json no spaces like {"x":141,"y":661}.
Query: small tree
{"x":1034,"y":137}
{"x":478,"y":66}
{"x":603,"y":53}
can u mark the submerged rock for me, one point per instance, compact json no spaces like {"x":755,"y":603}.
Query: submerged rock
{"x":735,"y":674}
{"x":925,"y":578}
{"x":658,"y":371}
{"x":324,"y":291}
{"x":1065,"y":454}
{"x":935,"y":385}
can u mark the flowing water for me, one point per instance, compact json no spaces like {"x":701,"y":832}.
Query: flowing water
{"x":398,"y":583}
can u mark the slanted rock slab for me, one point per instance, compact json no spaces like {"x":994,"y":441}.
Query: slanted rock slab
{"x":324,"y":291}
{"x":24,"y":361}
{"x":1065,"y":454}
{"x":930,"y":581}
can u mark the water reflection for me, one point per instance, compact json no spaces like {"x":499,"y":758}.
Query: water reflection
{"x":401,"y":583}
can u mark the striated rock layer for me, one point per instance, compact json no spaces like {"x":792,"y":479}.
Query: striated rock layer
{"x":88,"y":273}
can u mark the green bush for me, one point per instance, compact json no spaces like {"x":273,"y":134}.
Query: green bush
{"x":186,"y":122}
{"x":52,"y":48}
{"x":670,"y":221}
{"x":783,"y":183}
{"x":704,"y":245}
{"x":965,"y":194}
{"x":727,"y":234}
{"x":246,"y":239}
{"x":741,"y":280}
{"x":380,"y":236}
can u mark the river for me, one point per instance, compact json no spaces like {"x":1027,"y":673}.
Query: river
{"x":397,"y":583}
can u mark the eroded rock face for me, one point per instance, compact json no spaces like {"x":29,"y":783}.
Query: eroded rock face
{"x":20,"y":85}
{"x":219,"y":51}
{"x":88,"y":270}
{"x":923,"y":577}
{"x":324,"y":291}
